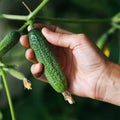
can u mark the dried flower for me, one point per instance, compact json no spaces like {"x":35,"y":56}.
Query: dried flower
{"x":27,"y":84}
{"x":20,"y":76}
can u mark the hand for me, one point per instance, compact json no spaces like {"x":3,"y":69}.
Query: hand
{"x":83,"y":63}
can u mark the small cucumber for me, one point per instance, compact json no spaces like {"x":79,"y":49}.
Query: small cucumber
{"x":8,"y":42}
{"x":45,"y":56}
{"x":52,"y":69}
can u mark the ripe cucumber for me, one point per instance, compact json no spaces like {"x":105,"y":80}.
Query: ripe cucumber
{"x":52,"y":69}
{"x":8,"y":42}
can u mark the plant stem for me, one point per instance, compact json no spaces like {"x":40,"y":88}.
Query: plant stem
{"x":77,"y":21}
{"x":103,"y":39}
{"x":14,"y":17}
{"x":23,"y":26}
{"x":32,"y":15}
{"x":8,"y":95}
{"x":116,"y":18}
{"x":35,"y":12}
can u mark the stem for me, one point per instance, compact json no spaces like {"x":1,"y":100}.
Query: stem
{"x":35,"y":12}
{"x":116,"y":18}
{"x":26,"y":7}
{"x":23,"y":26}
{"x":68,"y":20}
{"x":14,"y":17}
{"x":103,"y":39}
{"x":8,"y":95}
{"x":32,"y":14}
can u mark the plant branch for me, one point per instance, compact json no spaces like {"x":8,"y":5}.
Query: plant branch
{"x":23,"y":26}
{"x":13,"y":17}
{"x":8,"y":95}
{"x":77,"y":21}
{"x":23,"y":17}
{"x":103,"y":39}
{"x":35,"y":12}
{"x":116,"y":18}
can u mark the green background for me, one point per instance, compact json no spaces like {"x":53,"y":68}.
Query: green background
{"x":43,"y":103}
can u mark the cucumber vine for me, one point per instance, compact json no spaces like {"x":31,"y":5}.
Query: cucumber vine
{"x":11,"y":69}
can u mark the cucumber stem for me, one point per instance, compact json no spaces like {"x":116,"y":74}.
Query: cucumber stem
{"x":32,"y":15}
{"x":23,"y":26}
{"x":68,"y":97}
{"x":8,"y":95}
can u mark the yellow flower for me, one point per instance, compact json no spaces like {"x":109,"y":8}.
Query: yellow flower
{"x":27,"y":84}
{"x":106,"y":50}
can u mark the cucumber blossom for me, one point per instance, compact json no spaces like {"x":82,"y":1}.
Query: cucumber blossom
{"x":44,"y":55}
{"x":8,"y":42}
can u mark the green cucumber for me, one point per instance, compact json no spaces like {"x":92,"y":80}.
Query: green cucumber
{"x":10,"y":40}
{"x":44,"y":55}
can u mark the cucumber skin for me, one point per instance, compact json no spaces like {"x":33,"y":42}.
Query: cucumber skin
{"x":10,"y":40}
{"x":44,"y":55}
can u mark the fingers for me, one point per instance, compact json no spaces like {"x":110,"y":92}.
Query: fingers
{"x":29,"y":54}
{"x":37,"y":68}
{"x":24,"y":41}
{"x":40,"y":26}
{"x":59,"y":39}
{"x":59,"y":30}
{"x":37,"y":71}
{"x":50,"y":27}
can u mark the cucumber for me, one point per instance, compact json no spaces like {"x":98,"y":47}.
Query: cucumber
{"x":10,"y":40}
{"x":52,"y":69}
{"x":45,"y":56}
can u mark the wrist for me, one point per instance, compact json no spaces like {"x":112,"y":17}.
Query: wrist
{"x":109,"y":84}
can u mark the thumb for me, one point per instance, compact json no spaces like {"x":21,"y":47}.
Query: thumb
{"x":58,"y":39}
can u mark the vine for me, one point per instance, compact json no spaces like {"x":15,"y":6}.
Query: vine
{"x":10,"y":69}
{"x":114,"y":21}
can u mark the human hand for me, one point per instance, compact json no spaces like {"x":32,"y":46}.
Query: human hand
{"x":83,"y":64}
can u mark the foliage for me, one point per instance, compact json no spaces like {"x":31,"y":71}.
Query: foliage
{"x":42,"y":102}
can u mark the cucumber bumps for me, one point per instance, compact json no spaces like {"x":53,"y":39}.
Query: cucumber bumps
{"x":8,"y":42}
{"x":52,"y":69}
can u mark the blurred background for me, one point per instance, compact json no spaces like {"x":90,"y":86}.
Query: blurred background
{"x":43,"y":102}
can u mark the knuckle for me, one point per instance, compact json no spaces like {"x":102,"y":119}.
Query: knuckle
{"x":82,"y":36}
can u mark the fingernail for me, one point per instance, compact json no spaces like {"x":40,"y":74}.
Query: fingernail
{"x":29,"y":28}
{"x":34,"y":66}
{"x":37,"y":67}
{"x":45,"y":30}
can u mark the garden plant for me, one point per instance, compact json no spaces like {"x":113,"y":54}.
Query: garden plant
{"x":42,"y":49}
